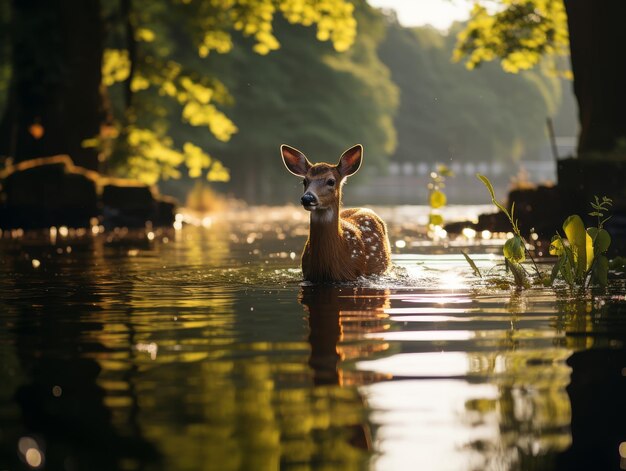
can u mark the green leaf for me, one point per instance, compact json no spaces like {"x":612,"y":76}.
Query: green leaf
{"x":556,"y":269}
{"x":601,"y":271}
{"x":472,"y":264}
{"x":568,"y":269}
{"x":514,"y":249}
{"x":556,"y":246}
{"x":601,"y":239}
{"x":518,"y":274}
{"x":489,"y":186}
{"x":581,"y":244}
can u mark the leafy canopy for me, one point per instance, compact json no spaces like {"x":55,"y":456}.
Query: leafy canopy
{"x":519,"y":32}
{"x":158,"y":73}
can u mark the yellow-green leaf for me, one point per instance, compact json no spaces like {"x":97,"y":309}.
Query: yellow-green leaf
{"x":601,"y":239}
{"x":556,"y":246}
{"x":580,"y":242}
{"x":437,"y":199}
{"x":514,"y":249}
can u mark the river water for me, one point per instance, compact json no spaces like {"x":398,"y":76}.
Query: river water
{"x":201,"y":349}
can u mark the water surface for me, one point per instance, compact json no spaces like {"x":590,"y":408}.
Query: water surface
{"x":201,"y":349}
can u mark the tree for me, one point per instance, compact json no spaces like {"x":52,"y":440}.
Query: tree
{"x":61,"y":57}
{"x":448,"y":113}
{"x":54,"y":95}
{"x":307,"y":95}
{"x":522,"y":32}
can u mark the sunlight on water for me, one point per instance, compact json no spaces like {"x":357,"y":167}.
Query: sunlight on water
{"x":200,"y":348}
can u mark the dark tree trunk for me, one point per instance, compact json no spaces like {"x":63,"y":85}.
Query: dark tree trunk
{"x":56,"y":62}
{"x":597,"y":41}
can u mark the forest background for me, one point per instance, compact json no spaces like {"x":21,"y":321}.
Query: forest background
{"x":396,"y":90}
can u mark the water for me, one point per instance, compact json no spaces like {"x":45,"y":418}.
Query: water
{"x":201,"y":350}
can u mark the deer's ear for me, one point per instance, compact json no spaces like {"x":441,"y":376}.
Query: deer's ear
{"x":350,"y":161}
{"x":295,"y":161}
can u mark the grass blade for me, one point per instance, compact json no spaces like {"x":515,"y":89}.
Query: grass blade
{"x":472,"y":264}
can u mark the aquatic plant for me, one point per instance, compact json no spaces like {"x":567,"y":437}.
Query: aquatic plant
{"x":515,"y":249}
{"x":581,"y":252}
{"x":437,"y":198}
{"x":582,"y":256}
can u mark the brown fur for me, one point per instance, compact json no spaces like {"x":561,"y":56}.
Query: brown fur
{"x":342,"y":245}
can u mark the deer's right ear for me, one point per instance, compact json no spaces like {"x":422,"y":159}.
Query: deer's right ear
{"x":295,"y":161}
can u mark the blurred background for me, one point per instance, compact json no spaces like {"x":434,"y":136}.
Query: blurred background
{"x":197,"y":96}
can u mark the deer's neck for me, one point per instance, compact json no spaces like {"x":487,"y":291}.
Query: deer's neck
{"x":324,"y":227}
{"x":329,"y":260}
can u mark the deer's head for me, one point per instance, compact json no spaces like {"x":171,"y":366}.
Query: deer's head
{"x":322,"y":182}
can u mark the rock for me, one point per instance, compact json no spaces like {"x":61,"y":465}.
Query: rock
{"x":127,"y":205}
{"x":165,"y":211}
{"x":47,"y":192}
{"x":52,"y":191}
{"x":541,"y":210}
{"x":132,"y":204}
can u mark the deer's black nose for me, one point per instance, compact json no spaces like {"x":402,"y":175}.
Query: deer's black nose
{"x":308,"y":199}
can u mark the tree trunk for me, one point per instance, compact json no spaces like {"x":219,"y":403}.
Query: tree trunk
{"x":597,"y":36}
{"x":57,"y":50}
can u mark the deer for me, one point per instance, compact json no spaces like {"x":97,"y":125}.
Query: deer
{"x":343,"y":245}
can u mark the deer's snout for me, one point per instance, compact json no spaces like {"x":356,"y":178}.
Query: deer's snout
{"x":308,"y":200}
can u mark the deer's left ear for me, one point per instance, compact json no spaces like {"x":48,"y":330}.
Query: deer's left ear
{"x":295,"y":161}
{"x":350,"y":161}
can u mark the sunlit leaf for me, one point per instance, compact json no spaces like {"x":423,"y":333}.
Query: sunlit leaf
{"x":580,"y":242}
{"x":601,"y":239}
{"x":556,"y":246}
{"x":115,"y":66}
{"x":514,"y":249}
{"x":435,"y":219}
{"x":489,"y":186}
{"x":145,"y":35}
{"x":437,"y":199}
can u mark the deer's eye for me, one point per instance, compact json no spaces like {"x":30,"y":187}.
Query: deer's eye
{"x":305,"y":182}
{"x":330,"y":182}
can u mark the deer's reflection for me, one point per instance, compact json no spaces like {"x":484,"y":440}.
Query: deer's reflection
{"x":337,"y":316}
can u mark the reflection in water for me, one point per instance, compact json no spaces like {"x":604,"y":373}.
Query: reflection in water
{"x":598,"y":387}
{"x":508,"y":407}
{"x":200,"y":349}
{"x":338,"y":317}
{"x":63,"y":420}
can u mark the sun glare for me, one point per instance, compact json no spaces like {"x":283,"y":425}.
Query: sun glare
{"x":438,"y":13}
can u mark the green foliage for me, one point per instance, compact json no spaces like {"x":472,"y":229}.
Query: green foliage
{"x":472,"y":264}
{"x":520,"y":33}
{"x":162,"y":72}
{"x":514,"y":249}
{"x":437,"y":198}
{"x":308,"y":95}
{"x":581,"y":256}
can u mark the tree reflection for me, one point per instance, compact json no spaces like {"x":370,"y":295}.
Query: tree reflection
{"x":596,"y":327}
{"x":532,"y":409}
{"x":63,"y":414}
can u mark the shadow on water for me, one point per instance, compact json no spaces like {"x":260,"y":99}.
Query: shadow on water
{"x":60,"y":419}
{"x":597,"y":390}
